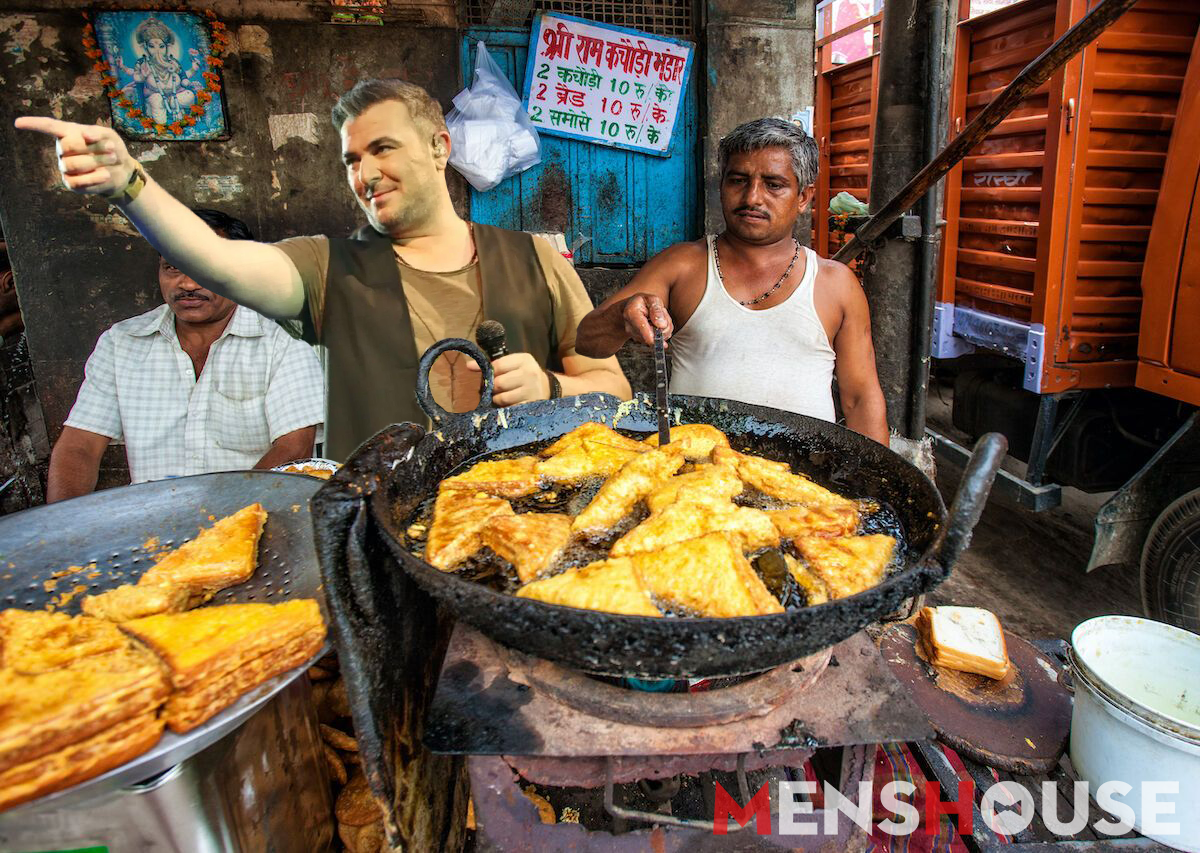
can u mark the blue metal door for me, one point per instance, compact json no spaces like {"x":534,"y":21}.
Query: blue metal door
{"x":630,"y":205}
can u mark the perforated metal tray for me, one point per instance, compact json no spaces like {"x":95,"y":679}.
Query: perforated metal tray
{"x":111,"y":537}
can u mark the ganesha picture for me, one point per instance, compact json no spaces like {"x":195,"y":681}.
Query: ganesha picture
{"x":166,"y":88}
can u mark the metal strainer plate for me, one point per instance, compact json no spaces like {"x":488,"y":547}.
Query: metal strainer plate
{"x":113,"y":536}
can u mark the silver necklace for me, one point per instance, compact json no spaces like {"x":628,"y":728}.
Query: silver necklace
{"x":773,"y":288}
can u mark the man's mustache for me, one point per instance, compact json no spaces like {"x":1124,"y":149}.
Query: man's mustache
{"x":189,"y":294}
{"x":757,"y":210}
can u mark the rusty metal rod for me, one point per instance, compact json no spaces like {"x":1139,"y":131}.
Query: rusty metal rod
{"x":1031,"y":77}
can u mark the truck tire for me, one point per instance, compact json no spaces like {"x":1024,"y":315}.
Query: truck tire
{"x":1171,"y":565}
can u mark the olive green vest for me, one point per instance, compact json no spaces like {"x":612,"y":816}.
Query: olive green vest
{"x":372,"y":361}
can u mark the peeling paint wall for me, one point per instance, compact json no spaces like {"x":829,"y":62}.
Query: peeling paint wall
{"x":79,"y":266}
{"x":759,"y":62}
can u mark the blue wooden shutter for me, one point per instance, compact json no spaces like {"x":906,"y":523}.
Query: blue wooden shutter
{"x":631,"y":205}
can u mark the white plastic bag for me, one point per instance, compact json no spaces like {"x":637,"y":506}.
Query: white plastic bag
{"x":491,"y":137}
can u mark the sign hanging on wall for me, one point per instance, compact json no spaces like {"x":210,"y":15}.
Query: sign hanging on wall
{"x":605,"y":84}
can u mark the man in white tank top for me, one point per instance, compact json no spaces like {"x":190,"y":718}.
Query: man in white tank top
{"x":752,"y":315}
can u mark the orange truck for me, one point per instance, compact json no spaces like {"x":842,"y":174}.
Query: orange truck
{"x":1069,"y":286}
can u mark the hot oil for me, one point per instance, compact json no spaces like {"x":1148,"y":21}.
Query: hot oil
{"x":491,"y":570}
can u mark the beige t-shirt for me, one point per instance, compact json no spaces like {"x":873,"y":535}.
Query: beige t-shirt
{"x":449,"y":305}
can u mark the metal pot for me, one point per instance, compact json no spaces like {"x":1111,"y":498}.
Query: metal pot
{"x":645,"y":647}
{"x":1137,"y":717}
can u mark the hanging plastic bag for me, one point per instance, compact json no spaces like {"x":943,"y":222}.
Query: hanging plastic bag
{"x":491,"y":136}
{"x":843,"y":202}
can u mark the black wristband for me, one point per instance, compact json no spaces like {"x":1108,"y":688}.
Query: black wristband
{"x":555,"y":386}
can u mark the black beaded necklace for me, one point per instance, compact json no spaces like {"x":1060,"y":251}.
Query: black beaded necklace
{"x":774,"y":287}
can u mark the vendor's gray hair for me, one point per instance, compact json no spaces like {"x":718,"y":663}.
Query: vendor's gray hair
{"x":773,"y":133}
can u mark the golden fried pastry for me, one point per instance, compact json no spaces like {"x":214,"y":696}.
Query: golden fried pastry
{"x":612,"y":586}
{"x":189,"y":707}
{"x":593,"y":432}
{"x":531,"y":541}
{"x":708,"y":576}
{"x":503,"y":478}
{"x":79,"y":761}
{"x":693,"y":516}
{"x":587,"y":460}
{"x":847,"y":564}
{"x":221,"y":556}
{"x":715,"y":482}
{"x":46,"y":712}
{"x":621,"y":492}
{"x":206,"y":644}
{"x":459,"y":517}
{"x":696,"y":440}
{"x":777,"y":480}
{"x":33,"y":641}
{"x":133,"y":601}
{"x":815,"y":520}
{"x":814,"y":588}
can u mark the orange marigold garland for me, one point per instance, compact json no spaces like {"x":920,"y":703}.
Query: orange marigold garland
{"x":218,"y":41}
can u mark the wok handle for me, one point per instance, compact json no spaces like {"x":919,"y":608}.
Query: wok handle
{"x":970,"y":498}
{"x":437,"y":414}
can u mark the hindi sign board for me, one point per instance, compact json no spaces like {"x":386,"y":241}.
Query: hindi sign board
{"x":605,"y":84}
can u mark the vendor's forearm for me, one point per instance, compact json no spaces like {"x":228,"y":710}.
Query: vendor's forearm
{"x":867,"y":415}
{"x":251,"y":274}
{"x":595,"y":381}
{"x":73,"y":472}
{"x":602,"y":332}
{"x":297,"y":444}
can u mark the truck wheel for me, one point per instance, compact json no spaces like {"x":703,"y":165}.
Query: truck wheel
{"x":1171,"y":565}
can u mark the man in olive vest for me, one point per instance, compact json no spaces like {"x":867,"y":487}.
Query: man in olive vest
{"x":377,"y":299}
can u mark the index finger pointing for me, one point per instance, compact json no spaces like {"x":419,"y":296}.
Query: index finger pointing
{"x":45,"y":124}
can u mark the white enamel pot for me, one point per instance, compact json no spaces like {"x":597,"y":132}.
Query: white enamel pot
{"x":1137,"y":720}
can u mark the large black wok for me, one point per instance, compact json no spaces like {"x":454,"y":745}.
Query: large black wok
{"x":647,"y":647}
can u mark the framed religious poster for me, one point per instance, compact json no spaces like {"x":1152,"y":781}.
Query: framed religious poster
{"x":605,"y":84}
{"x":162,"y":72}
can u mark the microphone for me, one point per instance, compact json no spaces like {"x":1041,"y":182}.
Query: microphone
{"x":492,"y":339}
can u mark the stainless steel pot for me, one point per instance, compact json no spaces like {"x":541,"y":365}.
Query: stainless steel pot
{"x":1137,"y":720}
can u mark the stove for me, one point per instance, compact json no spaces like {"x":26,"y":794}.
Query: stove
{"x":633,"y":758}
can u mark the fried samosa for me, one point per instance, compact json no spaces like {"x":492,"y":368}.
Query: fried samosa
{"x":692,"y":516}
{"x":696,"y":440}
{"x":35,"y":641}
{"x":815,"y":520}
{"x":502,"y":478}
{"x":707,"y":576}
{"x":777,"y":480}
{"x":622,"y":491}
{"x":459,"y":518}
{"x":530,"y":541}
{"x":221,"y":556}
{"x":847,"y":564}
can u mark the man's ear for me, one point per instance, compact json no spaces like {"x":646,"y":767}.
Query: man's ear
{"x":441,"y":148}
{"x":806,"y":197}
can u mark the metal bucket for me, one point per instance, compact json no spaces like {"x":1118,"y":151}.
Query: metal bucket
{"x":1136,"y":720}
{"x":261,"y":787}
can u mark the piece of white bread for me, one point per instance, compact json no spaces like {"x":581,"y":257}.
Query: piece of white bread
{"x":968,"y":639}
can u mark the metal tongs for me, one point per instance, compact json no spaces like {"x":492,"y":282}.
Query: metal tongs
{"x":661,"y":401}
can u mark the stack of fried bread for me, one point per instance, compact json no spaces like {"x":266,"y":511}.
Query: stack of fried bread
{"x":706,"y":509}
{"x":215,"y":654}
{"x":221,"y":556}
{"x":77,"y":698}
{"x":80,"y":695}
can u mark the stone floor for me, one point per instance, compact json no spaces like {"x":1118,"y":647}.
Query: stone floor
{"x":1029,"y":567}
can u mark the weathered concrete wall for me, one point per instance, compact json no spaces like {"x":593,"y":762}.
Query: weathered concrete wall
{"x":759,"y":63}
{"x":79,"y":265}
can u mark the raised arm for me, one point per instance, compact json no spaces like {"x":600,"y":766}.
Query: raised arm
{"x":858,"y":382}
{"x":634,"y":310}
{"x":93,"y":160}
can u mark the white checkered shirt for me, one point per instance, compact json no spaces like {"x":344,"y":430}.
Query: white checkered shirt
{"x":257,"y":384}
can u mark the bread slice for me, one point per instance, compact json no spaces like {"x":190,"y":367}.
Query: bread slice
{"x":133,"y":601}
{"x":968,"y":639}
{"x":47,"y":712}
{"x":206,"y":644}
{"x":79,"y":761}
{"x":223,"y":555}
{"x":34,"y":641}
{"x":186,"y":709}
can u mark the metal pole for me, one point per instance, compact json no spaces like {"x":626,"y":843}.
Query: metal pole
{"x":940,"y":60}
{"x":1031,"y":77}
{"x":897,"y":153}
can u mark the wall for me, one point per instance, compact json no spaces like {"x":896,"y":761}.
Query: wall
{"x":759,"y":63}
{"x":79,"y":266}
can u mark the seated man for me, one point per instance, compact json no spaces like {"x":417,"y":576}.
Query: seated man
{"x":417,"y":272}
{"x":755,"y":317}
{"x":192,"y":386}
